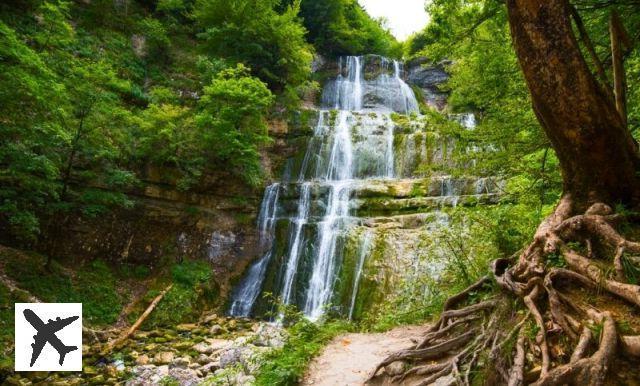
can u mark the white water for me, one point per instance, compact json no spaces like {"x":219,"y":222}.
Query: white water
{"x":296,"y":242}
{"x":348,"y":148}
{"x":246,"y":293}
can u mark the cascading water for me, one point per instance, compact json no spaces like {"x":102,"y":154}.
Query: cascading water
{"x":305,"y":220}
{"x":246,"y":293}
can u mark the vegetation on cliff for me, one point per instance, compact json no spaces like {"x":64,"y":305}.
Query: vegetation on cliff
{"x":94,"y":91}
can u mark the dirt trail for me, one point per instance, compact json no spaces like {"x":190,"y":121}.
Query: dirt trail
{"x":349,"y":359}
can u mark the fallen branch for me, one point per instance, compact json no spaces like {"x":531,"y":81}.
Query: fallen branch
{"x":122,"y":338}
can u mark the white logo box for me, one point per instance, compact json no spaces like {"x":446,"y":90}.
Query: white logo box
{"x":68,"y":335}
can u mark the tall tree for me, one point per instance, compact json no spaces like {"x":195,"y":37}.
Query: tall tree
{"x":598,"y":156}
{"x":577,"y":247}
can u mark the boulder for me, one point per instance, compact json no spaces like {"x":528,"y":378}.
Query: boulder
{"x":233,"y":356}
{"x":186,"y":327}
{"x":163,"y":358}
{"x":148,"y":375}
{"x":181,"y":362}
{"x":210,"y":368}
{"x":202,"y":348}
{"x":203,"y":359}
{"x":184,"y":377}
{"x":142,"y":360}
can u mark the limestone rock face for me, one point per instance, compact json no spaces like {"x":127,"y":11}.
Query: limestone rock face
{"x":429,"y":78}
{"x":214,"y":220}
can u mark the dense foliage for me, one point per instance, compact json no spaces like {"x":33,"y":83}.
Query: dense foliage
{"x":474,"y":36}
{"x":92,"y":92}
{"x":342,"y":27}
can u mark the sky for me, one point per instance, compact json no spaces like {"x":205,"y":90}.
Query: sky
{"x":404,"y":16}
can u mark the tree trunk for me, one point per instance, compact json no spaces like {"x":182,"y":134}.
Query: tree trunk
{"x":598,"y":156}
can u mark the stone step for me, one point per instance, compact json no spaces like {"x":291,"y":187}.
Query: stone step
{"x":438,"y":186}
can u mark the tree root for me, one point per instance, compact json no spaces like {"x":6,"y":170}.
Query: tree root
{"x":455,"y":343}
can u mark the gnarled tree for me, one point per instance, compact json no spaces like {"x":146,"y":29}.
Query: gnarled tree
{"x":573,"y":341}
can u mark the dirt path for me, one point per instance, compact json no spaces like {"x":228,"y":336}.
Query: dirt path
{"x":348,"y":359}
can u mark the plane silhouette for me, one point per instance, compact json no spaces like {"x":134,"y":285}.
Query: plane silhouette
{"x":47,"y":333}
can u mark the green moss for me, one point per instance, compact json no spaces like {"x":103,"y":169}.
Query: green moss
{"x":343,"y":288}
{"x":94,"y":285}
{"x":7,"y":299}
{"x":302,"y":123}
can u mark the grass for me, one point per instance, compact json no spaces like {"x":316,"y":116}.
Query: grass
{"x":93,"y":284}
{"x":286,"y":366}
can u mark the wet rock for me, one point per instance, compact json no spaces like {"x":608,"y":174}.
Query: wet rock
{"x":233,"y":356}
{"x":210,"y":318}
{"x":203,"y":348}
{"x":187,"y":327}
{"x":97,"y":380}
{"x":36,"y":376}
{"x":16,"y":380}
{"x":424,"y":74}
{"x":184,"y":377}
{"x":182,"y":362}
{"x":210,"y":367}
{"x":142,"y":360}
{"x":219,"y":344}
{"x":163,"y":358}
{"x":269,"y":336}
{"x":142,"y":334}
{"x":111,"y":371}
{"x":182,"y":345}
{"x":89,"y":370}
{"x":215,"y":329}
{"x":203,"y":359}
{"x":148,"y":375}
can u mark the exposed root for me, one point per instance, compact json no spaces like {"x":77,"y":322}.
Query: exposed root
{"x":516,"y":375}
{"x":467,"y":334}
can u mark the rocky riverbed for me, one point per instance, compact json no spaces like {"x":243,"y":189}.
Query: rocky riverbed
{"x":214,"y":351}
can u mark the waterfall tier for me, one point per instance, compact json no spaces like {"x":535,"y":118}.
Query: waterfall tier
{"x":358,"y":184}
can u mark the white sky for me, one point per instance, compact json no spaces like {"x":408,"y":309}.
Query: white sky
{"x":404,"y":16}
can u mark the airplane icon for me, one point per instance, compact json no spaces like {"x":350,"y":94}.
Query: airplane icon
{"x":47,"y":333}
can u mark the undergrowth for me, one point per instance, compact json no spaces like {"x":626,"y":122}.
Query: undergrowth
{"x":93,"y":284}
{"x":286,"y":366}
{"x":193,"y":285}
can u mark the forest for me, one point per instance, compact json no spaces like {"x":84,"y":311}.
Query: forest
{"x":253,"y":192}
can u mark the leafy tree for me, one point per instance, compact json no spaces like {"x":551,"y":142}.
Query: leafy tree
{"x":231,"y":120}
{"x":251,"y":32}
{"x":571,"y":275}
{"x":29,"y":92}
{"x":343,"y":27}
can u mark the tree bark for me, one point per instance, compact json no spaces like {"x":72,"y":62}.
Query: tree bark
{"x":597,"y":155}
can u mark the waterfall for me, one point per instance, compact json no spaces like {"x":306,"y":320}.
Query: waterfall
{"x":352,"y":147}
{"x":245,"y":294}
{"x":365,"y":248}
{"x":296,"y":242}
